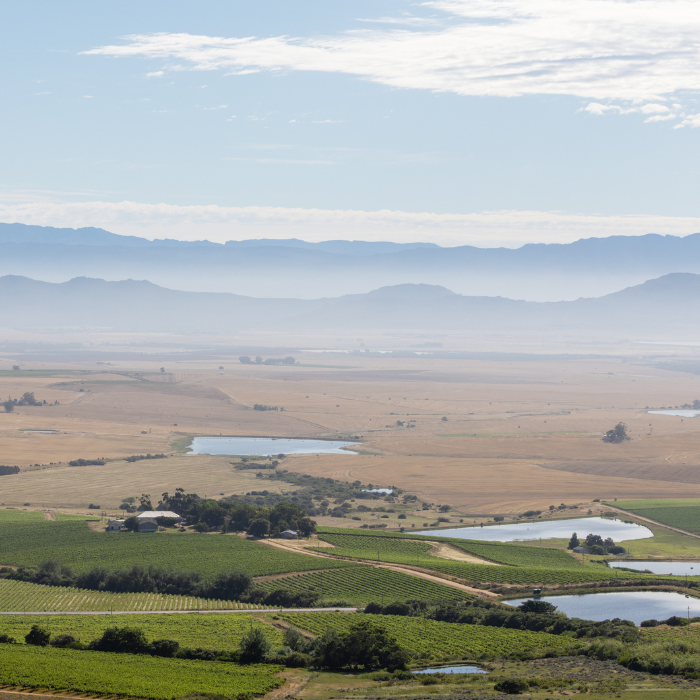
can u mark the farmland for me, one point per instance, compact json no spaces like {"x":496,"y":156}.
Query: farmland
{"x":32,"y":597}
{"x":429,"y":640}
{"x":145,"y":677}
{"x":364,"y":584}
{"x":537,"y":425}
{"x":211,"y":630}
{"x":681,"y":513}
{"x":27,"y":540}
{"x":414,"y":552}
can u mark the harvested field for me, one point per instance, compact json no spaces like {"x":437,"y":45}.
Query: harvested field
{"x":517,"y":435}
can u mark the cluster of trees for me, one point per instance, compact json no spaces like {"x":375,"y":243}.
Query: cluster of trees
{"x":228,"y":585}
{"x":617,"y":435}
{"x":364,"y":645}
{"x":8,"y":470}
{"x":27,"y":399}
{"x":234,"y":516}
{"x":596,"y":544}
{"x":87,"y":462}
{"x":245,"y":360}
{"x":263,"y":407}
{"x":138,"y":458}
{"x":533,"y":615}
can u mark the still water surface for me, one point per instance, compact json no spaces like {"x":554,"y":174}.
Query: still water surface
{"x":683,"y":413}
{"x":547,"y":529}
{"x":662,"y":568}
{"x":452,"y":669}
{"x":635,"y":606}
{"x":266,"y":446}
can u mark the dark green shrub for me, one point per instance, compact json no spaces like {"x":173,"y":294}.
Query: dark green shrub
{"x":63,"y":641}
{"x":37,"y":636}
{"x":164,"y":647}
{"x":512,"y":686}
{"x":254,"y":646}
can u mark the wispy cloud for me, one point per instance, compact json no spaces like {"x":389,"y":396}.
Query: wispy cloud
{"x":491,"y":228}
{"x":610,"y":51}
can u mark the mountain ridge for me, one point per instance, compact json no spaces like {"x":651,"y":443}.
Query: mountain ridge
{"x":670,"y":304}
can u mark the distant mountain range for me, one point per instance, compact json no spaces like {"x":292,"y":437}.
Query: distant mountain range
{"x":668,"y":308}
{"x":302,"y":270}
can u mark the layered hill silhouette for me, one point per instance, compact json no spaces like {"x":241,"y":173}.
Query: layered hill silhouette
{"x":298,"y":269}
{"x":668,"y":307}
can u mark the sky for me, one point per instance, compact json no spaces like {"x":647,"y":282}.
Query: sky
{"x":482,"y":122}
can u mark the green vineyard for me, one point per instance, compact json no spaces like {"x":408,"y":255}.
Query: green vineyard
{"x":208,"y":630}
{"x":148,"y":677}
{"x":681,"y":513}
{"x":28,"y":539}
{"x":364,"y":584}
{"x":19,"y":596}
{"x":525,"y":565}
{"x":428,"y":640}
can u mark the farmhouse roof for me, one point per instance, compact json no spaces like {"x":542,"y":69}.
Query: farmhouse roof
{"x":158,"y":514}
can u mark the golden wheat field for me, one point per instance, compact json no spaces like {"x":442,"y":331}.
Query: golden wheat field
{"x":485,"y":435}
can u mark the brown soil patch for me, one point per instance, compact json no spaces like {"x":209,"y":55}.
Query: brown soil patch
{"x":447,"y":551}
{"x":49,"y":516}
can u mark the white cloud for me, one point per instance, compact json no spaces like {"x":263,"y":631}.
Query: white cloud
{"x":508,"y":228}
{"x":155,"y":74}
{"x":602,"y":50}
{"x":691,"y":120}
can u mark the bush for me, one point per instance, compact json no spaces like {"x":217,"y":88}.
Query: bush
{"x":63,"y":641}
{"x":402,"y":516}
{"x":512,"y":686}
{"x":121,"y":640}
{"x":650,"y":623}
{"x":6,"y":639}
{"x":164,"y":647}
{"x":37,"y":636}
{"x":254,"y":646}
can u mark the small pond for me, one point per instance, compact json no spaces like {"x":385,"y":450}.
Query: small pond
{"x":635,"y":606}
{"x":451,"y":669}
{"x":547,"y":529}
{"x":378,"y":490}
{"x":45,"y":432}
{"x":266,"y":446}
{"x":662,"y":568}
{"x":683,"y":413}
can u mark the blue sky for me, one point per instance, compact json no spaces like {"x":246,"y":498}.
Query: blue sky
{"x":459,"y":121}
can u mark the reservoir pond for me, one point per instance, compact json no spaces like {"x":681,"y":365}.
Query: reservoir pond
{"x":661,"y":568}
{"x":683,"y":413}
{"x":266,"y":446}
{"x":636,"y":606}
{"x":548,"y":529}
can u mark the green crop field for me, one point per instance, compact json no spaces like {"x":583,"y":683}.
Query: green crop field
{"x":412,"y":552}
{"x":501,"y":552}
{"x":364,"y":584}
{"x":149,"y":677}
{"x":208,"y":630}
{"x":28,"y":539}
{"x":681,"y":513}
{"x":19,"y":596}
{"x":428,"y":640}
{"x":526,"y":565}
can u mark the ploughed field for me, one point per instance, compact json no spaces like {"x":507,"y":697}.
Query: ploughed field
{"x":534,"y":425}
